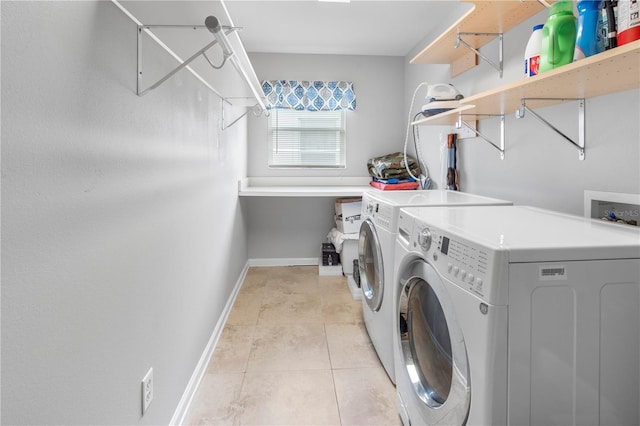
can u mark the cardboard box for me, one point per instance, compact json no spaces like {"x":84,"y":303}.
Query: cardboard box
{"x":348,"y":215}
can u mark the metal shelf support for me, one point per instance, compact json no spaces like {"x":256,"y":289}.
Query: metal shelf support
{"x":520,"y":113}
{"x":139,"y":90}
{"x":499,"y":65}
{"x":256,"y":109}
{"x":542,"y":2}
{"x":500,"y":147}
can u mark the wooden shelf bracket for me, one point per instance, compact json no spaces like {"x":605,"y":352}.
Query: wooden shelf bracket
{"x":581,"y":126}
{"x":500,"y":147}
{"x":497,"y":66}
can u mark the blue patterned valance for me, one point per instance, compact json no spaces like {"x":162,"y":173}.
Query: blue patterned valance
{"x":310,"y":95}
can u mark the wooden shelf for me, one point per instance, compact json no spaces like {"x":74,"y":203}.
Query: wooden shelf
{"x":484,"y":17}
{"x":612,"y":71}
{"x":447,"y":118}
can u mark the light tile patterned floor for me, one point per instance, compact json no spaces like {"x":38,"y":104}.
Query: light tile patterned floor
{"x":294,"y":351}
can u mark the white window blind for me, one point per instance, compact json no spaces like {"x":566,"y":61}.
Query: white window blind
{"x":307,"y":138}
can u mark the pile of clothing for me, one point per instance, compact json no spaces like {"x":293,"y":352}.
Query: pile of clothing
{"x":389,"y":172}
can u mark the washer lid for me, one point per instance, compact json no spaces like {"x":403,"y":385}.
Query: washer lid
{"x":529,"y":234}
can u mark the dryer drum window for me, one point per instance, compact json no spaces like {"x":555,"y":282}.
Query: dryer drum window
{"x":370,"y":264}
{"x":429,"y":342}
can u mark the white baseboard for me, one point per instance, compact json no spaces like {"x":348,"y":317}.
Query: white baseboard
{"x":304,"y":261}
{"x":181,"y":412}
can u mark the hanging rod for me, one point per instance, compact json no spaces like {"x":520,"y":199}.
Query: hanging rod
{"x":500,"y":148}
{"x":581,"y":126}
{"x":497,"y":66}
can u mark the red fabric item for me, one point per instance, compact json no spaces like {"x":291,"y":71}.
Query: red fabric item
{"x":394,"y":186}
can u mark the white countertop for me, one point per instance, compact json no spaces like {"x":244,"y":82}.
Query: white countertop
{"x":303,"y":186}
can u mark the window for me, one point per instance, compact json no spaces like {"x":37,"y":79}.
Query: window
{"x":307,"y":125}
{"x":302,"y":138}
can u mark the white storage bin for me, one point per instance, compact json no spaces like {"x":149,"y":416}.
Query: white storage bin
{"x":347,"y":246}
{"x":348,"y":255}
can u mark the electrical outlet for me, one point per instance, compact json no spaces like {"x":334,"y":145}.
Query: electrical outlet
{"x":147,"y":390}
{"x":464,"y":132}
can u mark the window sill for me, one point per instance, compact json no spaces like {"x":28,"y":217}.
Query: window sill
{"x":303,"y":186}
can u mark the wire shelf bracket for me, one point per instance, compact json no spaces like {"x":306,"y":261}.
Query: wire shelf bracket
{"x":499,"y":65}
{"x":460,"y":123}
{"x":520,"y":113}
{"x":141,"y":28}
{"x":255,"y":109}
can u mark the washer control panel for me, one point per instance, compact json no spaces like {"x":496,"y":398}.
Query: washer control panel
{"x":467,"y":265}
{"x":380,"y":213}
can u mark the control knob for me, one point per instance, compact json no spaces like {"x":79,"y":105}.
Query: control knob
{"x":424,"y":239}
{"x":370,"y":208}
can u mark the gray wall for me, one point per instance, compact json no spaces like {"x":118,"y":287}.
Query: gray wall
{"x":122,"y":235}
{"x":286,"y":228}
{"x":540,"y":168}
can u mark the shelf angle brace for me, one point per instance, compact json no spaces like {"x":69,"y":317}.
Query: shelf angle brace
{"x":255,"y":109}
{"x":497,"y":66}
{"x":581,"y":129}
{"x":139,"y":90}
{"x":500,"y":147}
{"x":542,"y":2}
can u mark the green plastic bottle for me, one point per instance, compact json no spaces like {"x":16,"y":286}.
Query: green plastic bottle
{"x":558,"y":36}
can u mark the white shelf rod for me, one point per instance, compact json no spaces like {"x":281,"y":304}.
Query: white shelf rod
{"x":497,"y":66}
{"x":500,"y":147}
{"x":581,"y":125}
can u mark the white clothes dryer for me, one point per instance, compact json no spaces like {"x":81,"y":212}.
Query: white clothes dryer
{"x":376,"y":251}
{"x":518,"y":316}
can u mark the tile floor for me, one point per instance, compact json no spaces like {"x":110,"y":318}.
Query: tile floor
{"x":294,"y":351}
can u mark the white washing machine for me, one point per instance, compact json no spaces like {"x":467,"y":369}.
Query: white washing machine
{"x":518,"y":316}
{"x":376,"y":250}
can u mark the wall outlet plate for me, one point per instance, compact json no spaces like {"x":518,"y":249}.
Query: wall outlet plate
{"x":464,"y":132}
{"x":147,"y":390}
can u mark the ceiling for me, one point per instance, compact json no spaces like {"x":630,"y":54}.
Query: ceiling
{"x":362,"y":27}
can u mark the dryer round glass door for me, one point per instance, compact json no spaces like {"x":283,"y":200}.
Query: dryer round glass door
{"x":433,"y":348}
{"x":370,"y":265}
